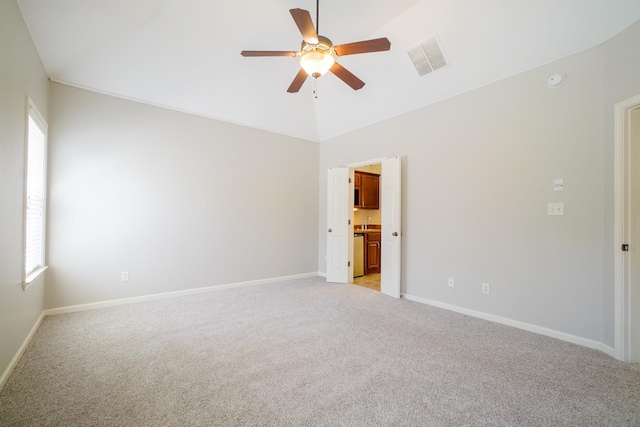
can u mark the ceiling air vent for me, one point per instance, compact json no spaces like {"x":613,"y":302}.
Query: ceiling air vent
{"x":428,"y":56}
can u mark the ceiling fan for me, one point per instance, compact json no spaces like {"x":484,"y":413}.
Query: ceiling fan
{"x":317,"y":54}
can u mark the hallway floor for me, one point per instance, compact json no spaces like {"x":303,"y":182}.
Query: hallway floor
{"x":371,"y":281}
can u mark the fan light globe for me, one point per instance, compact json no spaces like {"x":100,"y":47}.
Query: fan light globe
{"x":316,"y":62}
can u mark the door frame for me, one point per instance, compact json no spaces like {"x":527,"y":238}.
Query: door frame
{"x":352,"y":167}
{"x":622,"y":265}
{"x":349,"y":222}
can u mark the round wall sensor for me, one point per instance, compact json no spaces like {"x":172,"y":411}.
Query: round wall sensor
{"x":556,"y":80}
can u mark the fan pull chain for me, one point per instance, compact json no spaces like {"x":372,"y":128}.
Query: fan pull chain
{"x":315,"y":87}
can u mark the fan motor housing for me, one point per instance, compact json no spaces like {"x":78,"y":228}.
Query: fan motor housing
{"x":324,"y":44}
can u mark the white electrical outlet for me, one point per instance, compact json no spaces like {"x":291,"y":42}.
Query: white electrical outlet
{"x":450,"y":282}
{"x":486,"y":288}
{"x":555,"y":208}
{"x":124,"y":276}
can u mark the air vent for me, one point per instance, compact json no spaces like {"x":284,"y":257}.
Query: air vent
{"x":428,"y":56}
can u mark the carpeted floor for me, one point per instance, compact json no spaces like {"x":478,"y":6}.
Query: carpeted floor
{"x":306,"y":353}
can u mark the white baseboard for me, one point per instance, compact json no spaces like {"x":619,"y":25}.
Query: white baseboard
{"x":517,"y":324}
{"x":152,"y":297}
{"x":7,"y":372}
{"x":321,"y":274}
{"x":609,"y":351}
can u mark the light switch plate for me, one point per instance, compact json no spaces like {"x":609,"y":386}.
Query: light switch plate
{"x":555,"y":208}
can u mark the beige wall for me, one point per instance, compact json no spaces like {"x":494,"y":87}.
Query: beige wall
{"x":376,"y":168}
{"x":21,"y":75}
{"x":360,"y":215}
{"x":178,"y":201}
{"x":477,"y":175}
{"x":478,"y":172}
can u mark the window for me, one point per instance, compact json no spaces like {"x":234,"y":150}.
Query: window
{"x":35,"y":196}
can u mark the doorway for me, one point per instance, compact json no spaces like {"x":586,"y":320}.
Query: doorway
{"x":367,"y":225}
{"x":627,"y":230}
{"x":340,"y":224}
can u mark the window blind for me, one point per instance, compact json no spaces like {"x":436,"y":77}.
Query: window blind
{"x":35,"y":197}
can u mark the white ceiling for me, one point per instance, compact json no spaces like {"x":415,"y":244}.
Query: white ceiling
{"x":185,"y":54}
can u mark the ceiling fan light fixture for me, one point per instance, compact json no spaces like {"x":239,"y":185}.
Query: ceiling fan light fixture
{"x":316,"y":62}
{"x":317,"y":53}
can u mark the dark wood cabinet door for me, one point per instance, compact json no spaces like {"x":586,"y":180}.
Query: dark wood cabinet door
{"x":367,"y":190}
{"x":372,"y":255}
{"x":357,"y":193}
{"x":370,"y":191}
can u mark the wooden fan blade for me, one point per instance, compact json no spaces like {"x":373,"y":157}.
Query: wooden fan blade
{"x":267,"y":53}
{"x":375,"y":45}
{"x":298,"y":81}
{"x":305,"y":25}
{"x":346,"y":76}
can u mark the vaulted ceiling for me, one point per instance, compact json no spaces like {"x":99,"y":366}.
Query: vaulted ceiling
{"x":185,"y":54}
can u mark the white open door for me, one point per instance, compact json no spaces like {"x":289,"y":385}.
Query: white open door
{"x":338,"y":225}
{"x":391,"y":227}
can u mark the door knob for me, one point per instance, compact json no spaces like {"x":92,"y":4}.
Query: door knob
{"x":329,"y":230}
{"x":395,"y":233}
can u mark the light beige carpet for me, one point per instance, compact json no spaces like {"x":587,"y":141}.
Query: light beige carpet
{"x":306,"y":353}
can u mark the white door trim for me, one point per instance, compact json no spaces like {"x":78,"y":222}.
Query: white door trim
{"x":621,"y":187}
{"x":366,"y":163}
{"x":352,"y":167}
{"x":396,"y":266}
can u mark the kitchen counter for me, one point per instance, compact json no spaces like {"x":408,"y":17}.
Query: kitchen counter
{"x":368,"y":230}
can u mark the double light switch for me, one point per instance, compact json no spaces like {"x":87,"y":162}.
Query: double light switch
{"x":558,"y":207}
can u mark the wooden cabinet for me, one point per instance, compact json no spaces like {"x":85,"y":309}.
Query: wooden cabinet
{"x":356,"y":188}
{"x":366,"y":188}
{"x":370,"y":191}
{"x":372,"y":242}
